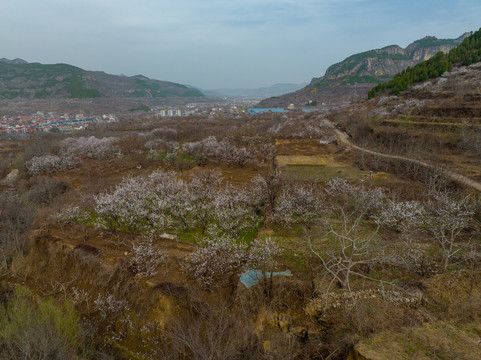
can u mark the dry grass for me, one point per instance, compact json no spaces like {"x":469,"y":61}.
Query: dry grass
{"x":231,"y":175}
{"x":438,"y":340}
{"x":307,"y":160}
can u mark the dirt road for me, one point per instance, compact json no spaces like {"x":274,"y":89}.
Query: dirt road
{"x":343,"y":138}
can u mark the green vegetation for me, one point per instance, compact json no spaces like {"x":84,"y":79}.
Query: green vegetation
{"x":468,"y":52}
{"x":42,"y":81}
{"x":76,"y":88}
{"x":352,"y":80}
{"x":9,"y":94}
{"x":140,"y":108}
{"x":49,"y":79}
{"x":38,"y":329}
{"x":151,"y":88}
{"x":42,"y":94}
{"x":430,"y":41}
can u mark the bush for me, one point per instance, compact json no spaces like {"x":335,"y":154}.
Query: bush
{"x":15,"y":220}
{"x":4,"y":168}
{"x":38,"y":329}
{"x":43,"y":190}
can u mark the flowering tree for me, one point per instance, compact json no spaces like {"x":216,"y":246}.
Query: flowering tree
{"x":217,"y":257}
{"x":160,"y":144}
{"x":91,"y":147}
{"x":317,"y":128}
{"x":234,"y":210}
{"x":298,"y":204}
{"x":131,"y":206}
{"x":356,"y":201}
{"x":266,"y":189}
{"x":146,"y":258}
{"x":405,"y":216}
{"x":48,"y":164}
{"x":161,"y":200}
{"x":202,"y":189}
{"x":220,"y":258}
{"x":165,"y":133}
{"x":207,"y":149}
{"x":447,"y":219}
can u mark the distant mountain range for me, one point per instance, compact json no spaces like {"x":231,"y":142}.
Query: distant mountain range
{"x":356,"y":75}
{"x":22,"y":80}
{"x":255,"y":93}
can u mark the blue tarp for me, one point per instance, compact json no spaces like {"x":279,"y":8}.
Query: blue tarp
{"x":252,"y":277}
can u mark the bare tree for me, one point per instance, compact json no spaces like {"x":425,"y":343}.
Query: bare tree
{"x":356,"y":245}
{"x":356,"y":248}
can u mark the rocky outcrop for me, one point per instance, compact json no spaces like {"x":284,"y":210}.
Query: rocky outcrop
{"x":390,"y":60}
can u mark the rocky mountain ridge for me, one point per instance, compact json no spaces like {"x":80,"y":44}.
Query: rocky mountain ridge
{"x":353,"y":77}
{"x":390,"y":60}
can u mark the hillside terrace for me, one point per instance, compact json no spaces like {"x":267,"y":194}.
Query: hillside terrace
{"x":41,"y":122}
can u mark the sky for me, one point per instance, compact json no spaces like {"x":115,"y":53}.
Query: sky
{"x":214,"y":44}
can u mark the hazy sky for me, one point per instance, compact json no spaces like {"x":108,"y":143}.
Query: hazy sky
{"x":221,"y":43}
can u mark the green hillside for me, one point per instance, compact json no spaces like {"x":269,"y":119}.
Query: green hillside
{"x":40,"y":81}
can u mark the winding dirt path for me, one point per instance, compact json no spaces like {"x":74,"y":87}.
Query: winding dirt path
{"x":343,"y":138}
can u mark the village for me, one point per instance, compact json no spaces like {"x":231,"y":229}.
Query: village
{"x":51,"y":121}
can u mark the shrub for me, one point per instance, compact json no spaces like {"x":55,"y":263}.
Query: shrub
{"x":43,"y":190}
{"x":38,"y":329}
{"x":4,"y":167}
{"x":15,"y":220}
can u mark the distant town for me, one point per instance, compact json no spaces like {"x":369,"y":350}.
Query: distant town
{"x":51,"y":121}
{"x":54,"y":122}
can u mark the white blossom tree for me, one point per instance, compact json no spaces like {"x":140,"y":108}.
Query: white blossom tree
{"x":147,"y":258}
{"x":298,"y":204}
{"x":447,"y":219}
{"x":217,"y":258}
{"x":405,"y":216}
{"x":48,"y":164}
{"x":91,"y":147}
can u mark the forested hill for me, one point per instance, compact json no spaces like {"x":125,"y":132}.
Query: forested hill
{"x":468,"y":52}
{"x":21,"y":80}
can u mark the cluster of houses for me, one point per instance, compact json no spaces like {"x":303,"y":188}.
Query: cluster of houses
{"x":43,"y":122}
{"x":171,"y":112}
